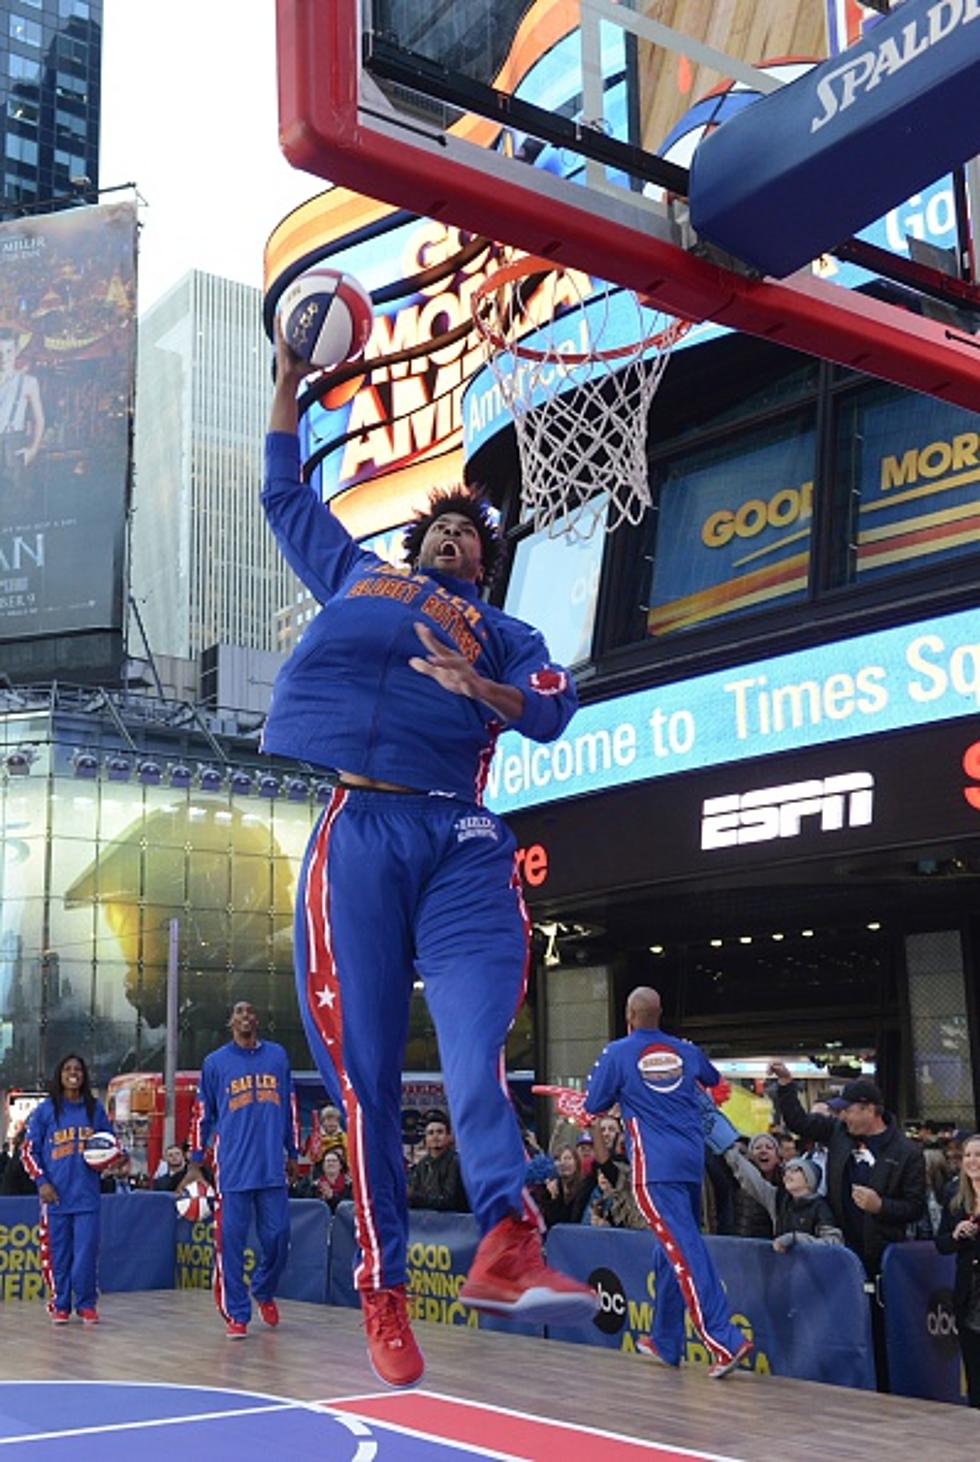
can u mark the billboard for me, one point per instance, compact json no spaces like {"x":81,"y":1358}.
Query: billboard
{"x":915,"y":789}
{"x":67,"y":338}
{"x":888,"y":680}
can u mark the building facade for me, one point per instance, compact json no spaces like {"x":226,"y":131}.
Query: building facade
{"x":50,"y":66}
{"x":205,"y":568}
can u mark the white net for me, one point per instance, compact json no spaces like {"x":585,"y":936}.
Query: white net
{"x":577,"y":364}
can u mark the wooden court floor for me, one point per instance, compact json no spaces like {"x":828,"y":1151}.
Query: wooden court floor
{"x":317,"y":1354}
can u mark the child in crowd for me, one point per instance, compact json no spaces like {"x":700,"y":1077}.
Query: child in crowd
{"x":798,"y":1213}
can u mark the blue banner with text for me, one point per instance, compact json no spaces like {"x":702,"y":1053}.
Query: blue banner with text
{"x":779,"y":1300}
{"x":920,"y":1329}
{"x":440,"y":1251}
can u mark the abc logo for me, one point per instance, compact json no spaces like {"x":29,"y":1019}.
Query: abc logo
{"x":612,"y":1301}
{"x":941,"y":1323}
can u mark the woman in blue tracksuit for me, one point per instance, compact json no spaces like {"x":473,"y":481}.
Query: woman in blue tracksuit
{"x":68,"y":1188}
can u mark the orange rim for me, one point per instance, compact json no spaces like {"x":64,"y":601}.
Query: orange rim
{"x":524,"y":269}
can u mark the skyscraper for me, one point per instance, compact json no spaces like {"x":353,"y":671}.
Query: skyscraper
{"x":205,"y":568}
{"x":50,"y":64}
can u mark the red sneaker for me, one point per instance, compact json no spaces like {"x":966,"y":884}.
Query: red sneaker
{"x":269,"y":1311}
{"x":89,"y":1316}
{"x":646,"y":1347}
{"x":235,"y":1330}
{"x":59,"y":1317}
{"x":395,"y":1358}
{"x":722,"y":1367}
{"x":508,"y":1276}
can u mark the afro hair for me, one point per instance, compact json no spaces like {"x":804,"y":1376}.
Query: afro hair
{"x":471,"y":505}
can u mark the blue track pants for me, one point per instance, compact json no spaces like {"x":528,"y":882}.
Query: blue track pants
{"x":70,"y":1257}
{"x":393,"y":884}
{"x":232,"y":1216}
{"x":684,"y":1274}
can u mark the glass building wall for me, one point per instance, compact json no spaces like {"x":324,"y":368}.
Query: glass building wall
{"x":50,"y":75}
{"x":93,"y":870}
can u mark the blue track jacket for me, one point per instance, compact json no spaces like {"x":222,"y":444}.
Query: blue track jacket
{"x":347,"y":697}
{"x":52,"y":1152}
{"x":245,"y":1101}
{"x":652,"y":1076}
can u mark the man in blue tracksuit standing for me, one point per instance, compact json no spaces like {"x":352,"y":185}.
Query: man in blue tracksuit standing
{"x":246,"y":1111}
{"x":655,"y":1078}
{"x":400,"y":686}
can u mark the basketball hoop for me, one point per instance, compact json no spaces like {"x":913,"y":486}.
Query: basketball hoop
{"x":577,"y":365}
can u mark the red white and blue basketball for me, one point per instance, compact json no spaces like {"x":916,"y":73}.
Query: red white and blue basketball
{"x":326,"y":317}
{"x":194,"y":1201}
{"x":101,"y":1150}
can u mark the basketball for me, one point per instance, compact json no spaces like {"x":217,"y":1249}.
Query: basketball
{"x":326,"y":317}
{"x":194,"y":1202}
{"x":101,"y":1150}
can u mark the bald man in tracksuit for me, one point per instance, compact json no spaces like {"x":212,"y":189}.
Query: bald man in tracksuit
{"x":655,"y":1079}
{"x":401,"y":685}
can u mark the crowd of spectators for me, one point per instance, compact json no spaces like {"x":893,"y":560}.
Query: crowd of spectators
{"x":841,"y":1172}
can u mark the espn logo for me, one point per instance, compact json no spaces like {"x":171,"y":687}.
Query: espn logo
{"x":780,"y":812}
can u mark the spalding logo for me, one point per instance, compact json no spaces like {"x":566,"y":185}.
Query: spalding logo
{"x":661,"y":1068}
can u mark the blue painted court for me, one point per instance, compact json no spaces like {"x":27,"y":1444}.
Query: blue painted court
{"x":62,"y":1419}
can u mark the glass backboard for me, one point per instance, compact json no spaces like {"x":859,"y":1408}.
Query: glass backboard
{"x":568,"y":128}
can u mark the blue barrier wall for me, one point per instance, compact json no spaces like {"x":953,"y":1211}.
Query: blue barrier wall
{"x":920,"y":1331}
{"x":305,"y":1275}
{"x":124,"y":1265}
{"x":805,"y":1311}
{"x":779,"y":1300}
{"x":440,"y":1251}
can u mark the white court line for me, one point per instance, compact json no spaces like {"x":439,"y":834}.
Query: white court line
{"x":591,"y":1431}
{"x":399,"y":1429}
{"x":365,"y":1451}
{"x":156,"y":1421}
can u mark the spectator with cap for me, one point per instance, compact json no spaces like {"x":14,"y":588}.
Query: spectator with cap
{"x":436,"y":1181}
{"x":797,"y":1212}
{"x":875,"y":1175}
{"x":876,"y":1181}
{"x":586,"y":1153}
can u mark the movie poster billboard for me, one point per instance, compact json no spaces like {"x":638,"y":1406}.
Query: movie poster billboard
{"x":67,"y":360}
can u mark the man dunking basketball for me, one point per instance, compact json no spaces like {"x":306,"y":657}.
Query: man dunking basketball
{"x":401,"y":685}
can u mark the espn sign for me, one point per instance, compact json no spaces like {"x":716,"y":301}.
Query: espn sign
{"x":825,"y":804}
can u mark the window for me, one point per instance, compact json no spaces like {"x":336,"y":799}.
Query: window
{"x":22,"y":69}
{"x":72,"y":86}
{"x":70,"y":163}
{"x":20,"y":110}
{"x":732,"y":527}
{"x":73,"y":9}
{"x":76,"y":126}
{"x":22,"y":149}
{"x":908,"y":482}
{"x":28,"y":32}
